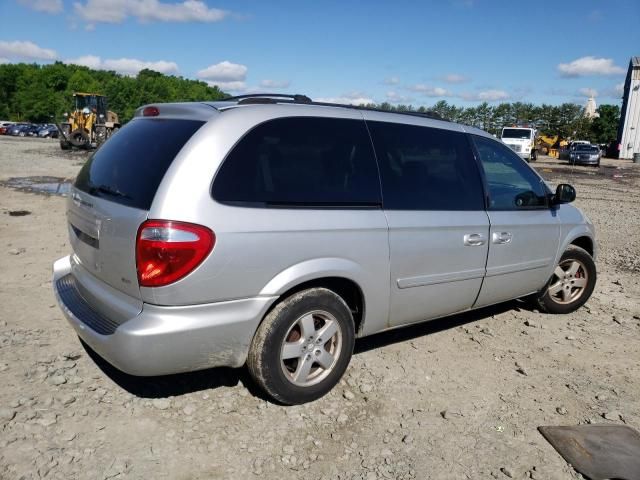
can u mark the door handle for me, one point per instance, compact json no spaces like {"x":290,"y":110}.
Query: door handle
{"x":501,"y":237}
{"x":474,"y":239}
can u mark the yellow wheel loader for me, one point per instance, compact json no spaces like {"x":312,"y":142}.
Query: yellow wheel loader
{"x":90,"y":124}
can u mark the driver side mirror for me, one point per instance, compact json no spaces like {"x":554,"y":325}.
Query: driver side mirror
{"x":565,"y":193}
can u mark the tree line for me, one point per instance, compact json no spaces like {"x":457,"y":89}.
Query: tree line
{"x":567,"y":120}
{"x":42,"y":93}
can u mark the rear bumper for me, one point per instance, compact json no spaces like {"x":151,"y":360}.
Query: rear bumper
{"x":163,"y":340}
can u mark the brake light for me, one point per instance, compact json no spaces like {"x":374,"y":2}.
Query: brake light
{"x":150,"y":112}
{"x":167,"y":251}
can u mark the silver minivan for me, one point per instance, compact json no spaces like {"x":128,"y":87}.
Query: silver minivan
{"x":272,"y":231}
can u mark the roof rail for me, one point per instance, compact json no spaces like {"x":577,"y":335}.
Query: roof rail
{"x":261,"y":98}
{"x":297,"y":98}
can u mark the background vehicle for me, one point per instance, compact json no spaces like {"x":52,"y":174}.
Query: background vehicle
{"x":90,"y":124}
{"x":521,"y":140}
{"x":15,"y":129}
{"x":550,"y":145}
{"x":48,"y":131}
{"x":585,"y":154}
{"x":30,"y":130}
{"x":4,"y":126}
{"x":372,"y":220}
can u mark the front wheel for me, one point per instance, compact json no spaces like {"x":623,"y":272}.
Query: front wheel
{"x":303,"y":346}
{"x":571,"y":283}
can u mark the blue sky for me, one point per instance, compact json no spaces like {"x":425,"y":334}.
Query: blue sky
{"x":418,"y":52}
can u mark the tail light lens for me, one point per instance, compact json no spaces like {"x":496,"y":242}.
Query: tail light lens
{"x":167,"y":251}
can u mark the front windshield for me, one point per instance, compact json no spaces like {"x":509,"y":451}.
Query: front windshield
{"x":586,"y":148}
{"x":516,"y":133}
{"x":88,"y":101}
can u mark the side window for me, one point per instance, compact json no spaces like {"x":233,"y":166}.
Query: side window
{"x":425,"y":168}
{"x":301,"y":161}
{"x":512,"y":184}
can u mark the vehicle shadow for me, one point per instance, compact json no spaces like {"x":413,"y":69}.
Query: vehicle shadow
{"x":413,"y":331}
{"x":183,"y":383}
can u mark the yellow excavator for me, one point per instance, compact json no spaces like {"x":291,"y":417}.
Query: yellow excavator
{"x":90,"y":124}
{"x":550,"y":145}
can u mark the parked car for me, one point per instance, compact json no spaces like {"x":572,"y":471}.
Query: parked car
{"x":272,"y":232}
{"x":4,"y":126}
{"x":48,"y":131}
{"x":32,"y":130}
{"x":565,"y":152}
{"x":585,"y":154}
{"x":16,"y":129}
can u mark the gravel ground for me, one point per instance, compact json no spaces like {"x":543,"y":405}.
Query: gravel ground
{"x":454,"y":398}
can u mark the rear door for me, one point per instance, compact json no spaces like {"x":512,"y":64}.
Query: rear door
{"x":112,"y":195}
{"x":525,"y":232}
{"x":438,"y":228}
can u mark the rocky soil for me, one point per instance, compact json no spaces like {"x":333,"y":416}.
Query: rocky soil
{"x":455,"y":398}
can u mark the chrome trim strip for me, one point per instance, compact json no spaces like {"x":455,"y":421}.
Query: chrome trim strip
{"x":424,"y":280}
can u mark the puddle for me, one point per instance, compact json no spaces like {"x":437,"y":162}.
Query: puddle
{"x":43,"y":185}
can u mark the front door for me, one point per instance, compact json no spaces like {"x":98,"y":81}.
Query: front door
{"x":438,"y":228}
{"x":525,"y":231}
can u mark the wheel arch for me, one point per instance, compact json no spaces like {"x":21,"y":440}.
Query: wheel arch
{"x":585,"y":243}
{"x":341,"y":276}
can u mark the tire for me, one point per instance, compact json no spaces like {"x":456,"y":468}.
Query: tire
{"x":534,"y":155}
{"x":566,"y":295}
{"x":280,"y":361}
{"x":79,"y":138}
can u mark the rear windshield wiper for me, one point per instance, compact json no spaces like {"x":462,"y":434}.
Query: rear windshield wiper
{"x":107,"y":190}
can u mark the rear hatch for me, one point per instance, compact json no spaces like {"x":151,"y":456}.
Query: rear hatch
{"x":111,"y":197}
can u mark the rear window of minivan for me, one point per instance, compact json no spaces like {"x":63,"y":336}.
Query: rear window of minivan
{"x":129,"y":167}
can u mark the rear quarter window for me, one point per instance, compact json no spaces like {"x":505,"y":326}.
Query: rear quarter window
{"x":129,"y":167}
{"x":304,"y":162}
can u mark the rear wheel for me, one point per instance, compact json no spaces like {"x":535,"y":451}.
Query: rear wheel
{"x":303,"y":346}
{"x":571,"y":283}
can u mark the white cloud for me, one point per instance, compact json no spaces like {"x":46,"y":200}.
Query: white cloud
{"x":395,"y":97}
{"x":491,"y":95}
{"x":21,"y":49}
{"x":47,"y":6}
{"x":275,"y":83}
{"x":352,"y":98}
{"x":90,"y":61}
{"x":617,"y":91}
{"x":585,"y":66}
{"x":430,"y":91}
{"x":224,"y":72}
{"x":4,"y":60}
{"x":132,"y":66}
{"x":391,"y":81}
{"x":126,"y":66}
{"x":454,"y":78}
{"x":116,"y":11}
{"x":588,"y":92}
{"x":232,"y":86}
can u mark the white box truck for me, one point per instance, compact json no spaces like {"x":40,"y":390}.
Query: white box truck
{"x":521,"y":140}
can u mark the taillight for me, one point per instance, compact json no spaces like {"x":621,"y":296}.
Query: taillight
{"x":167,"y":251}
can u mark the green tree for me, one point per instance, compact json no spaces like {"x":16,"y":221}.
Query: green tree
{"x":604,"y":128}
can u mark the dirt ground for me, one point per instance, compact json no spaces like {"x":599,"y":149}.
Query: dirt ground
{"x":458,"y":398}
